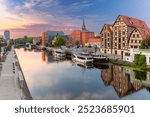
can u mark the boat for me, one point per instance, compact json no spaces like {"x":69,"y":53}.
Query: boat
{"x":30,"y":46}
{"x":82,"y":59}
{"x":59,"y":53}
{"x":84,"y":53}
{"x":82,"y":65}
{"x":100,"y":59}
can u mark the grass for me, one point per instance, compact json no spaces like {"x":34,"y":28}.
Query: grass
{"x":131,"y":65}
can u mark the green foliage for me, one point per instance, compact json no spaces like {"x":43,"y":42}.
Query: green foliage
{"x":142,"y":45}
{"x":140,"y":60}
{"x":98,"y":36}
{"x":25,"y":39}
{"x":30,"y":39}
{"x":140,"y":75}
{"x":46,"y":44}
{"x":136,"y":59}
{"x":59,"y":41}
{"x":145,"y":44}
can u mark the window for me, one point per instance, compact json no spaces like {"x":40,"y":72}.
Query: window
{"x":131,"y":46}
{"x":115,"y":28}
{"x":119,"y":34}
{"x":108,"y":34}
{"x":105,"y":35}
{"x":135,"y":41}
{"x":119,"y":46}
{"x":131,"y":41}
{"x":140,"y":41}
{"x":135,"y":46}
{"x":115,"y":52}
{"x":123,"y":44}
{"x":137,"y":35}
{"x":127,"y":54}
{"x":115,"y":33}
{"x":115,"y":38}
{"x":119,"y":40}
{"x":133,"y":35}
{"x":123,"y":38}
{"x":115,"y":44}
{"x":123,"y":32}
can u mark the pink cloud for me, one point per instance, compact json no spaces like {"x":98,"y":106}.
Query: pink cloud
{"x":37,"y":29}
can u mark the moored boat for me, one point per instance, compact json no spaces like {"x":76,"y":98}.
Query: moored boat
{"x":100,"y":59}
{"x":59,"y":53}
{"x":82,"y":59}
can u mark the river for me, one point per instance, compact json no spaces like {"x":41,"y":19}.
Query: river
{"x":51,"y":79}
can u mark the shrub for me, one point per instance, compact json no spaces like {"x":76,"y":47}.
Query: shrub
{"x":140,"y":60}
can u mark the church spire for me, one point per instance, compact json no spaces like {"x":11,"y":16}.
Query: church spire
{"x":83,"y":26}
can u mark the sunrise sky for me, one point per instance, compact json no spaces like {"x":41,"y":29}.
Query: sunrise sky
{"x":31,"y":17}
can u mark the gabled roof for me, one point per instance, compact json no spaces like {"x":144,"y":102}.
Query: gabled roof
{"x":130,"y":21}
{"x":140,"y":25}
{"x":109,"y":27}
{"x":144,"y":32}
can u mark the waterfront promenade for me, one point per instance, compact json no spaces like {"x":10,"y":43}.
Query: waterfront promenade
{"x":9,"y":83}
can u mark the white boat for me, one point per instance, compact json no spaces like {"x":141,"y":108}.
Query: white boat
{"x":84,"y":65}
{"x":100,"y":59}
{"x":59,"y":53}
{"x":82,"y":59}
{"x":30,"y":46}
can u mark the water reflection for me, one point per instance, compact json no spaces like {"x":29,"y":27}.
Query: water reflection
{"x":64,"y":79}
{"x":125,"y":81}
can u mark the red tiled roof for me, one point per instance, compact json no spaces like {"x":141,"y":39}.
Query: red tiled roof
{"x":94,"y":40}
{"x":130,"y":21}
{"x":109,"y":27}
{"x":144,"y":32}
{"x":140,"y":25}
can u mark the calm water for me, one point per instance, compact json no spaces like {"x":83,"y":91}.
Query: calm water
{"x":49,"y":78}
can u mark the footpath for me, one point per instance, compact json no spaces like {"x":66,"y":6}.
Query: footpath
{"x":9,"y":80}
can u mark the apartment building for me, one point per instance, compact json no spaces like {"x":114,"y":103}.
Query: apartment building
{"x":48,"y":36}
{"x":127,"y":32}
{"x":107,"y":39}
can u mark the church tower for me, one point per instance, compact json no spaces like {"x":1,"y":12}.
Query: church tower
{"x":84,"y":26}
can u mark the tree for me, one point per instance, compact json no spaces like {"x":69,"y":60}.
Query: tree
{"x":145,"y":44}
{"x":46,"y":44}
{"x":30,"y":39}
{"x":59,"y":41}
{"x":140,"y":60}
{"x":98,"y":36}
{"x":142,"y":45}
{"x":148,"y":42}
{"x":140,"y":75}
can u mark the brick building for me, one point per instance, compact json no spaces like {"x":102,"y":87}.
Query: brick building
{"x":48,"y":36}
{"x":81,"y":36}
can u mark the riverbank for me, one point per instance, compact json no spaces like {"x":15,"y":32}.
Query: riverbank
{"x":129,"y":65}
{"x":9,"y":81}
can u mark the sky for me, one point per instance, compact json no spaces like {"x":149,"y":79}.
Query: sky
{"x":32,"y":17}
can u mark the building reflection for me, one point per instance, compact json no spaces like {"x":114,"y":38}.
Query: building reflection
{"x":49,"y":58}
{"x":46,"y":57}
{"x":122,"y":79}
